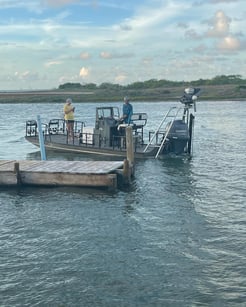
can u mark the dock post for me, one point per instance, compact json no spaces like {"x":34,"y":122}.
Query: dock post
{"x":130,"y":150}
{"x":41,"y":139}
{"x":17,"y":172}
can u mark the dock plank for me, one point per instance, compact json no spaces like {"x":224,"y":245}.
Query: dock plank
{"x":91,"y":167}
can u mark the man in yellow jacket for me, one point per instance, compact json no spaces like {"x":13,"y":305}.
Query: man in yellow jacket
{"x":69,"y":116}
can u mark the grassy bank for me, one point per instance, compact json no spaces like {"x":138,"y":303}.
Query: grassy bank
{"x":209,"y":92}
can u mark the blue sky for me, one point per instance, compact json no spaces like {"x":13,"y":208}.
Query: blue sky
{"x":45,"y":43}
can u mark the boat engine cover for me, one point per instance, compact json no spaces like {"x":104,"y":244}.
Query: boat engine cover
{"x":177,"y":138}
{"x":179,"y":130}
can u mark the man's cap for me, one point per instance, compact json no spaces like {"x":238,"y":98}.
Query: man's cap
{"x":126,"y":98}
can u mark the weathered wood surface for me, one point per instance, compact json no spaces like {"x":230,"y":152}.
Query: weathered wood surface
{"x":71,"y":173}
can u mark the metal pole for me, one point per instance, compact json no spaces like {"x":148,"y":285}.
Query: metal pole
{"x":41,"y":139}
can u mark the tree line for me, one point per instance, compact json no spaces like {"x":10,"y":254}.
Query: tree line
{"x":154,"y":83}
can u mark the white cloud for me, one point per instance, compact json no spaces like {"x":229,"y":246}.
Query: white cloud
{"x":84,"y":72}
{"x":220,"y":25}
{"x":59,"y":2}
{"x":52,"y":63}
{"x":223,"y":1}
{"x":30,"y":5}
{"x":192,"y":34}
{"x":105,"y":55}
{"x":26,"y":76}
{"x":84,"y":55}
{"x":120,"y":78}
{"x":229,"y":43}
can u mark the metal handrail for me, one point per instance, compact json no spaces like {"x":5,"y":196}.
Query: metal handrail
{"x":159,"y":127}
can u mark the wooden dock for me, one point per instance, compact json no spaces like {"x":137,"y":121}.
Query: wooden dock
{"x":62,"y":173}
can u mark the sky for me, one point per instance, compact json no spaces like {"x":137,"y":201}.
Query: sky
{"x":46,"y":43}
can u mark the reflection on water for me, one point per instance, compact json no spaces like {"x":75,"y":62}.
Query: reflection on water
{"x":175,"y":237}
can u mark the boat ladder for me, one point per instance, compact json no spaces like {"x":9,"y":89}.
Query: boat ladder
{"x":171,"y":113}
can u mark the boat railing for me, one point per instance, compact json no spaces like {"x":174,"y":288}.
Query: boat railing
{"x":90,"y":139}
{"x":159,"y":136}
{"x":139,"y":120}
{"x":31,"y":128}
{"x":87,"y":138}
{"x":118,"y":142}
{"x":58,"y":126}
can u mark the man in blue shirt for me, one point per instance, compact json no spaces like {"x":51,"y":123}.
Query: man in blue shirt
{"x":127,"y":111}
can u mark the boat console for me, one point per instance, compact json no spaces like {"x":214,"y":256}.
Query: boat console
{"x":109,"y":129}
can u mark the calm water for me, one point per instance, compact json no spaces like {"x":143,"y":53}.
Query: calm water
{"x":176,"y":237}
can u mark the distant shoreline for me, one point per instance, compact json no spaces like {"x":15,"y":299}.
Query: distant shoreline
{"x":212,"y":92}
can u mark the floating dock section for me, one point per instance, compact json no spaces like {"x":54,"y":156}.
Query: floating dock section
{"x":100,"y":174}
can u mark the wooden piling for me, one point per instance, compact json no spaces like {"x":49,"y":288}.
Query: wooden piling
{"x":127,"y":172}
{"x":130,"y":150}
{"x":17,"y":172}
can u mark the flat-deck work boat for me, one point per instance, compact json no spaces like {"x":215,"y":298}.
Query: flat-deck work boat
{"x":173,"y":136}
